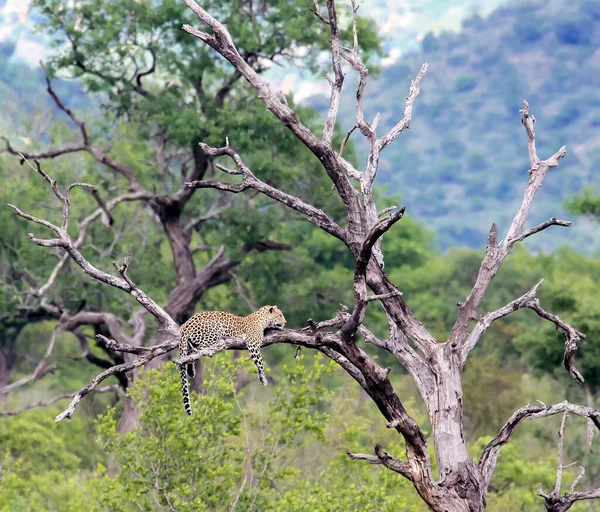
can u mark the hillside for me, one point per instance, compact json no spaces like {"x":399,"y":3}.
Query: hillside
{"x":463,"y":164}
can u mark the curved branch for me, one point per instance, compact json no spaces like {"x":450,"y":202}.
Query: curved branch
{"x":99,"y":155}
{"x":572,"y":338}
{"x":64,"y":241}
{"x":386,"y":460}
{"x":484,"y":322}
{"x":96,"y":318}
{"x":222,"y":42}
{"x":149,"y":71}
{"x":314,"y":215}
{"x":553,"y":221}
{"x":361,"y":299}
{"x":104,"y":212}
{"x":489,"y":456}
{"x":495,"y":252}
{"x":45,"y":403}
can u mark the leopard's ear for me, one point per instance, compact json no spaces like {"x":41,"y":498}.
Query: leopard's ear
{"x":271,"y":309}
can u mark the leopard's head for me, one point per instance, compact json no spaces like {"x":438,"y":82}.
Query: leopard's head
{"x":272,"y":317}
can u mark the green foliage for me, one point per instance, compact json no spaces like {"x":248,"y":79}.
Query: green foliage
{"x":516,"y":478}
{"x":587,"y":203}
{"x":485,"y":376}
{"x":201,"y":462}
{"x":109,"y":39}
{"x":579,"y":305}
{"x":44,"y":467}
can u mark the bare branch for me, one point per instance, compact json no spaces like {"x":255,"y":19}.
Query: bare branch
{"x":122,"y":347}
{"x":121,"y":368}
{"x":489,"y":456}
{"x":560,"y":467}
{"x":104,"y":212}
{"x":577,"y":480}
{"x":371,"y":459}
{"x":317,"y":12}
{"x":495,"y":252}
{"x":313,"y":215}
{"x":98,"y":154}
{"x":213,"y":212}
{"x":375,"y":234}
{"x":346,"y":138}
{"x":384,"y":459}
{"x":338,"y":82}
{"x":222,"y":42}
{"x":384,"y":296}
{"x":106,"y":216}
{"x":369,"y":131}
{"x":540,"y":227}
{"x":149,"y":71}
{"x":64,"y":241}
{"x":53,"y":275}
{"x":360,"y":284}
{"x":67,"y":111}
{"x":528,"y":122}
{"x":572,"y":338}
{"x":46,"y":403}
{"x":31,"y":218}
{"x":483,"y":323}
{"x":122,"y":269}
{"x":353,"y":58}
{"x":45,"y":154}
{"x":404,"y":123}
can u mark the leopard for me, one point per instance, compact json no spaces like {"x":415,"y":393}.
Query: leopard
{"x":206,"y":328}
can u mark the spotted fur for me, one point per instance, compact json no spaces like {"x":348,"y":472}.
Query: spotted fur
{"x":205,"y":329}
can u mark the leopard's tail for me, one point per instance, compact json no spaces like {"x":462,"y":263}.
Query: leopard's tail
{"x":185,"y":391}
{"x":184,"y":372}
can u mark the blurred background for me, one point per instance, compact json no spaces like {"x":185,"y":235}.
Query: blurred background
{"x":461,"y":166}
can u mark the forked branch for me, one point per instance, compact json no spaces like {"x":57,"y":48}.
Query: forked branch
{"x":483,"y":323}
{"x":554,"y":501}
{"x":384,"y":458}
{"x":314,"y":215}
{"x":86,"y":146}
{"x":496,"y":252}
{"x":222,"y":42}
{"x":361,"y":299}
{"x":572,"y":338}
{"x":489,"y":456}
{"x":64,"y":240}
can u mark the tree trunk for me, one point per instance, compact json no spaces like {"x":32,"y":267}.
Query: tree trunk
{"x":5,"y":371}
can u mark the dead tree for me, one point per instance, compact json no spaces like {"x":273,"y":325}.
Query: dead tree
{"x":435,"y":365}
{"x":168,"y":207}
